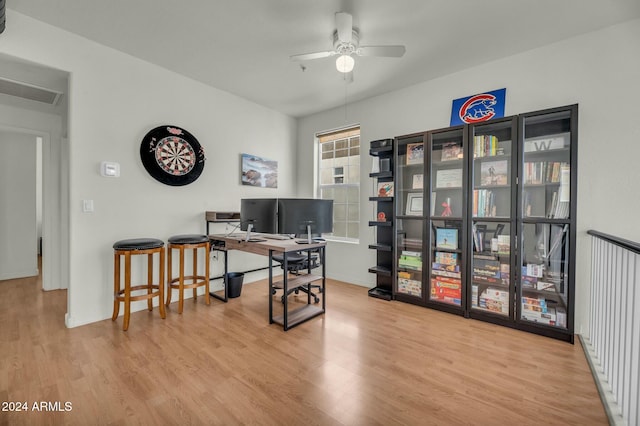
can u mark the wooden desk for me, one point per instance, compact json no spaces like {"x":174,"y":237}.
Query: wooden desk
{"x":269,"y":248}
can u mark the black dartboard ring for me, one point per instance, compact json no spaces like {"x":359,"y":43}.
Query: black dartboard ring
{"x":172,"y":155}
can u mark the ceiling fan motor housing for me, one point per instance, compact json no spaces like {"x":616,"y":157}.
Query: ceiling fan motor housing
{"x":346,"y":47}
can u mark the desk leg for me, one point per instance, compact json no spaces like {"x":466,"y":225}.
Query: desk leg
{"x":285,"y":286}
{"x":224,"y":280}
{"x":324,"y":276}
{"x":270,"y":286}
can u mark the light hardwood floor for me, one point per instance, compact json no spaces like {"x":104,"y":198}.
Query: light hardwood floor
{"x":365,"y":362}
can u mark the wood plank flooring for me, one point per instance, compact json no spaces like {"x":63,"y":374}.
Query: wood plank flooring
{"x":365,"y":362}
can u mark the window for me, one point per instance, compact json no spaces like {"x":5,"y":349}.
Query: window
{"x":339,"y":180}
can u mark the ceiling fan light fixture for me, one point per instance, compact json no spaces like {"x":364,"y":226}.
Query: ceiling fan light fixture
{"x":345,"y":63}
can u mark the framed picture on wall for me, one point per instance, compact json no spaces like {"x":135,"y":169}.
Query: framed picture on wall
{"x":258,"y":171}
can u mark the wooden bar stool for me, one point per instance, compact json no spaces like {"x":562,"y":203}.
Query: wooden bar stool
{"x":182,"y":243}
{"x":134,"y":247}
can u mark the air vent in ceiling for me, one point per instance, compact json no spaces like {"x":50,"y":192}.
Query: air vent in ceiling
{"x":28,"y":91}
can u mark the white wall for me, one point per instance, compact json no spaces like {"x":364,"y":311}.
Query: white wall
{"x":114,"y":100}
{"x":599,"y":71}
{"x":18,"y":233}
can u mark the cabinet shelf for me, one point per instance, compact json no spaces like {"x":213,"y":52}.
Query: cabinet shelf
{"x":381,"y":247}
{"x":299,"y":315}
{"x":380,"y":223}
{"x":297,"y":282}
{"x":381,"y":151}
{"x":381,"y":175}
{"x":380,"y":270}
{"x":381,"y":199}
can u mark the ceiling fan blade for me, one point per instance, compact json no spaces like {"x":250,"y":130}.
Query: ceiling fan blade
{"x":344,"y":26}
{"x":310,"y":56}
{"x":389,"y":51}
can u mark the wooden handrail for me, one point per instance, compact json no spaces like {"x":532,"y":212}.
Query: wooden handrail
{"x":621,"y":242}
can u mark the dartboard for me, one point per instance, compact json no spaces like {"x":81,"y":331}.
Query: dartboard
{"x":172,"y":155}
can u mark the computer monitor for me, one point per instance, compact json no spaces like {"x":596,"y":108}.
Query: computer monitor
{"x":305,"y":216}
{"x":259,"y":215}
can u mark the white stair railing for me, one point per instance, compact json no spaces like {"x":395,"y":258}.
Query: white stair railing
{"x":613,"y":344}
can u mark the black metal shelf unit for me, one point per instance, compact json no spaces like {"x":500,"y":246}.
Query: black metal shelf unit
{"x":382,"y":173}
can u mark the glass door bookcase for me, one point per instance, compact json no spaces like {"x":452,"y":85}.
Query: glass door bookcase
{"x":410,"y":223}
{"x":492,"y":218}
{"x":547,"y":209}
{"x":447,"y":219}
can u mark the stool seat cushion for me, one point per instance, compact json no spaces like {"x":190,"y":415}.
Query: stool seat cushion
{"x":138,"y":244}
{"x":188,"y":239}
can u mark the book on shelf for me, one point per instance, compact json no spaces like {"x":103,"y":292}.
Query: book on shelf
{"x":415,"y":153}
{"x":446,"y":258}
{"x":504,"y":244}
{"x":409,"y":286}
{"x":451,"y":151}
{"x":484,"y":203}
{"x":410,"y":260}
{"x":485,"y":146}
{"x":558,"y":209}
{"x":494,"y":300}
{"x":385,"y":189}
{"x":447,"y":238}
{"x":444,"y":270}
{"x":418,"y":181}
{"x":446,"y":267}
{"x":449,"y":178}
{"x":494,"y":172}
{"x":440,"y":273}
{"x":541,"y":172}
{"x":448,"y":290}
{"x":505,"y":273}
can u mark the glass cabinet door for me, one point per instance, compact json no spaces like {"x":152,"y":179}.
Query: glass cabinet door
{"x":410,"y":176}
{"x":546,"y":238}
{"x":446,"y":217}
{"x":492,"y":211}
{"x":410,"y":165}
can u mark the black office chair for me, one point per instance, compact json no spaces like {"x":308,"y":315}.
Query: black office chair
{"x":298,"y":263}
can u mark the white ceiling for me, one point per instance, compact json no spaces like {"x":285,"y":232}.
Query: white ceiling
{"x":243,"y":46}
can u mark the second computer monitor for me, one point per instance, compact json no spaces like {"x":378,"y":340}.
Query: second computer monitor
{"x":301,"y":216}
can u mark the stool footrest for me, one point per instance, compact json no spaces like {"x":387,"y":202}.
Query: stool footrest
{"x":120,"y":295}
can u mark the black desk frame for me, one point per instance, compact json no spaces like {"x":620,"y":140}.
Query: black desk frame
{"x":269,"y":248}
{"x":308,"y":311}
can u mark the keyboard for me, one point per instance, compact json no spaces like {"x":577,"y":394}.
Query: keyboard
{"x":275,"y":236}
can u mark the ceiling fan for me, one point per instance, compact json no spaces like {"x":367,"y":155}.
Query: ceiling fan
{"x":346,"y":44}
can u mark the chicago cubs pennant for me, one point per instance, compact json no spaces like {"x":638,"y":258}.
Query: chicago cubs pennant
{"x":481,"y":107}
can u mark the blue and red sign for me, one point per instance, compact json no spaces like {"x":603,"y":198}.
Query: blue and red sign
{"x":477,"y":108}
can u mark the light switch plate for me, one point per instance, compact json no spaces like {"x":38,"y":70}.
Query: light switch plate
{"x":109,"y":169}
{"x":87,"y":206}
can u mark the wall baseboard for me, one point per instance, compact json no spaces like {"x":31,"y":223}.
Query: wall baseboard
{"x":20,"y":274}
